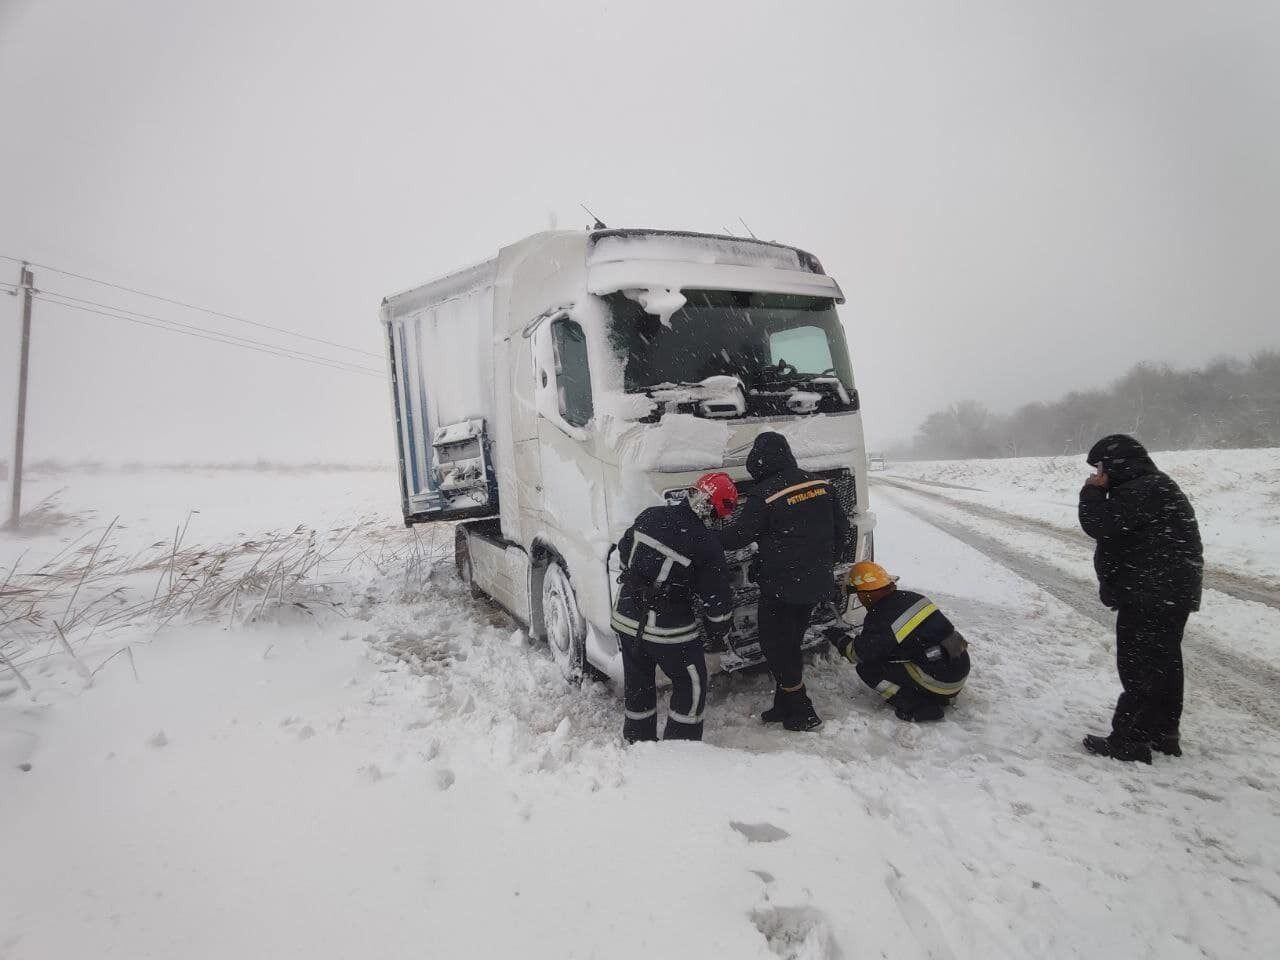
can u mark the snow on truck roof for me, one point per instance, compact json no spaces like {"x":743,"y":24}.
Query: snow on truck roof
{"x":685,"y":245}
{"x":603,"y":248}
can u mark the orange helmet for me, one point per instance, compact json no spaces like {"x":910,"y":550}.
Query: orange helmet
{"x":868,"y":576}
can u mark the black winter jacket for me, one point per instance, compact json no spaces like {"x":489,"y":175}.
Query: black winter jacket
{"x":797,"y":520}
{"x":1148,"y":542}
{"x":668,"y":555}
{"x":907,"y":627}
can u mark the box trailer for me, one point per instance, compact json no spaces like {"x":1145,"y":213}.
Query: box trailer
{"x":546,"y":396}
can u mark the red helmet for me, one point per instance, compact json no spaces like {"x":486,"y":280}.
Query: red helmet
{"x":720,"y":492}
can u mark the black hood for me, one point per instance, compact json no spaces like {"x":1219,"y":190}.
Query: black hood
{"x":1122,"y":458}
{"x":770,"y":455}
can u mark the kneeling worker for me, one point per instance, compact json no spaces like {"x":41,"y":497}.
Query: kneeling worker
{"x":668,"y":555}
{"x":907,"y":650}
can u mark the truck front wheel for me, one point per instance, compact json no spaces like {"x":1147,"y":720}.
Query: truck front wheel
{"x":566,"y":629}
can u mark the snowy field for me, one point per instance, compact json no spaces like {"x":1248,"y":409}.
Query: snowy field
{"x":257,"y":742}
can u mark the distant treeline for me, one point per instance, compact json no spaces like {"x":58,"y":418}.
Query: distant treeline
{"x":1227,"y":404}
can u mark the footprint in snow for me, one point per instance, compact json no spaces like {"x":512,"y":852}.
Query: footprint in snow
{"x":158,"y":739}
{"x":796,"y":933}
{"x":444,"y":778}
{"x":760,"y":832}
{"x":923,"y":925}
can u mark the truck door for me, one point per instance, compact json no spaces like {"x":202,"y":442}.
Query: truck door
{"x":524,"y":437}
{"x":572,"y":479}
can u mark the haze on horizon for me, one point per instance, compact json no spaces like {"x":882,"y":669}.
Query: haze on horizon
{"x":1019,"y":199}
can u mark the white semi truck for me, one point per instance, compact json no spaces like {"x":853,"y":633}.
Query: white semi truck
{"x":543,"y":398}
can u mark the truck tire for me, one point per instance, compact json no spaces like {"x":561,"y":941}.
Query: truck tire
{"x":565,"y":626}
{"x":462,"y":562}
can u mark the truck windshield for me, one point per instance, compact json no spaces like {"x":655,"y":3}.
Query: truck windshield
{"x":767,"y":340}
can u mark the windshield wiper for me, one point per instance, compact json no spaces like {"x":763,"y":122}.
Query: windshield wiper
{"x":720,"y":396}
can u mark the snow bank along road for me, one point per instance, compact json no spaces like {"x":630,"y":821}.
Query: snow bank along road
{"x":403,"y":774}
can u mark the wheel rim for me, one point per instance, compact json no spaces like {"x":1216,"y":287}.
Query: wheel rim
{"x":561,"y":622}
{"x":558,"y":623}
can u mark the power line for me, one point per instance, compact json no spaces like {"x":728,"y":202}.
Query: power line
{"x":282,"y":352}
{"x":207,"y":330}
{"x":216,"y":338}
{"x":192,"y":306}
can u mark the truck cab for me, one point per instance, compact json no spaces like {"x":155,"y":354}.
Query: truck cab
{"x":545,"y":397}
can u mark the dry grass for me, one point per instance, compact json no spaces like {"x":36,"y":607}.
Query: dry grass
{"x":93,"y":587}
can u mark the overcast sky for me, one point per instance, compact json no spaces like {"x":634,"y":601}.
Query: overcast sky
{"x":1018,"y":198}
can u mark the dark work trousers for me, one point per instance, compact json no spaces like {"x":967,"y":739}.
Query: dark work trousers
{"x":782,"y":627}
{"x":686,"y":668}
{"x":1149,"y":658}
{"x":892,"y":682}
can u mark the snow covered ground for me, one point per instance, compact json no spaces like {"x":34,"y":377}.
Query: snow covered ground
{"x":385,"y":767}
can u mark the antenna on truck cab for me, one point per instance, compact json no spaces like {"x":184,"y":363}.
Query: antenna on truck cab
{"x":599,"y":224}
{"x":749,"y":230}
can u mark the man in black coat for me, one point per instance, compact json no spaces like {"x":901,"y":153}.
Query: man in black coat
{"x":1149,"y":563}
{"x":800,"y":527}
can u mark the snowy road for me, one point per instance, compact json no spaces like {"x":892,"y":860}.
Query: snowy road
{"x":1232,"y":583}
{"x":1245,"y":682}
{"x":412,"y":777}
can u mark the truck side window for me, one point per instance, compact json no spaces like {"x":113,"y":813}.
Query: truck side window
{"x":573,"y":377}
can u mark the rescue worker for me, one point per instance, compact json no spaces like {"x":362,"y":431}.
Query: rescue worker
{"x":907,"y":651}
{"x":668,"y":555}
{"x":1149,"y":562}
{"x":800,"y":527}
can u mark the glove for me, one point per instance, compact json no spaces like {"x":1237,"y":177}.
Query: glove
{"x":954,"y":645}
{"x":837,"y":637}
{"x":717,"y":631}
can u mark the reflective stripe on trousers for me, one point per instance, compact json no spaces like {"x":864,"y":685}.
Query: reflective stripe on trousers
{"x":887,"y":689}
{"x":932,"y":684}
{"x":697,"y":700}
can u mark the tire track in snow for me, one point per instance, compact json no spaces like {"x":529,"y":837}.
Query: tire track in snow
{"x":1238,"y":585}
{"x":1229,"y":679}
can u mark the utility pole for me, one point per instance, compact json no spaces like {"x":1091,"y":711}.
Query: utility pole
{"x":20,"y":427}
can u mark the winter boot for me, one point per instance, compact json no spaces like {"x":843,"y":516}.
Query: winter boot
{"x":801,"y":717}
{"x":778,"y":712}
{"x":926,"y":711}
{"x":1169,"y":745}
{"x":1125,"y":750}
